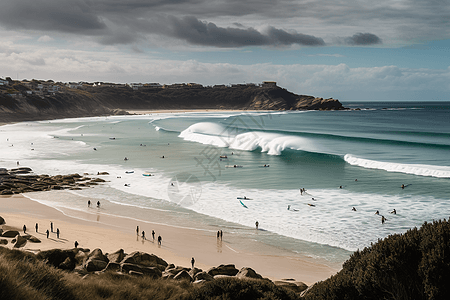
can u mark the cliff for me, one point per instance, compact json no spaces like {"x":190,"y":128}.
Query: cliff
{"x":21,"y":101}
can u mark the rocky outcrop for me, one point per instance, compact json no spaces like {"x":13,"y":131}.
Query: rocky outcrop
{"x":107,"y":100}
{"x":21,"y":180}
{"x":229,"y":270}
{"x":246,"y":272}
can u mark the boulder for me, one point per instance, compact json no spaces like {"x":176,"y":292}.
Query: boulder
{"x":67,"y":264}
{"x":98,"y":255}
{"x":152,"y":272}
{"x":176,"y":270}
{"x":92,"y":264}
{"x":228,"y":270}
{"x":56,"y":257}
{"x":20,"y":242}
{"x":10,"y":233}
{"x":127,"y":267}
{"x":222,"y":276}
{"x":183,"y":275}
{"x":246,"y":272}
{"x":3,"y":242}
{"x":295,"y":286}
{"x":194,"y":271}
{"x":81,"y":255}
{"x":203,"y":276}
{"x":117,"y":256}
{"x":34,"y":239}
{"x":144,"y":259}
{"x":113,"y":267}
{"x":2,"y":221}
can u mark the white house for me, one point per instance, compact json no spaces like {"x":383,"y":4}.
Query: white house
{"x":3,"y":82}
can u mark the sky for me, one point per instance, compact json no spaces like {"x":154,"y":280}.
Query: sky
{"x":347,"y":50}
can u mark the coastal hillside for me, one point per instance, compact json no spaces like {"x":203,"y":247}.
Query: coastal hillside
{"x":39,"y":100}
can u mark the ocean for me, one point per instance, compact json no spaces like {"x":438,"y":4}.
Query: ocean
{"x":192,"y":167}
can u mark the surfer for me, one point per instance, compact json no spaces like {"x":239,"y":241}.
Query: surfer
{"x":245,"y":197}
{"x":289,"y":207}
{"x":125,"y":158}
{"x":403,"y":186}
{"x":383,"y":219}
{"x":256,"y":224}
{"x":353,"y":208}
{"x":311,"y":204}
{"x":394,"y":212}
{"x":377,"y":212}
{"x":162,"y":156}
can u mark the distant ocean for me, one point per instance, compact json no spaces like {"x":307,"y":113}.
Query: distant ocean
{"x":344,"y":159}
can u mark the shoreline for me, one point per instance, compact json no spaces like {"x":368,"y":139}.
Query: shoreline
{"x":111,"y":233}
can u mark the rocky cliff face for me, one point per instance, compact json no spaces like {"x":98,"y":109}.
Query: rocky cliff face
{"x":26,"y":104}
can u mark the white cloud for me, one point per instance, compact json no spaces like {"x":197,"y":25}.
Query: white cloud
{"x":45,"y":38}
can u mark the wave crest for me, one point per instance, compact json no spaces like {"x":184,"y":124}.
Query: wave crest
{"x":415,"y":169}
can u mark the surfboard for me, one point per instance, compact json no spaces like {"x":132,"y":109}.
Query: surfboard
{"x":147,"y":174}
{"x":243,"y":204}
{"x":242,"y":198}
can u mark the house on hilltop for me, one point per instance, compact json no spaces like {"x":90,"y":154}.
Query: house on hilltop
{"x":4,"y":82}
{"x":269,"y":84}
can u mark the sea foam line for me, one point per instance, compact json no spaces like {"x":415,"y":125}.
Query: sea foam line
{"x":415,"y":169}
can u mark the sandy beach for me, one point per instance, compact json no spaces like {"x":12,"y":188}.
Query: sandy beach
{"x":93,"y":229}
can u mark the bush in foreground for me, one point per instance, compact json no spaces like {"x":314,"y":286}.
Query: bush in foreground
{"x":414,"y":265}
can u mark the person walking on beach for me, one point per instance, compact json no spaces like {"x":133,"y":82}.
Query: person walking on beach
{"x":218,"y":234}
{"x":137,"y":230}
{"x":89,"y":203}
{"x":159,"y":240}
{"x":98,"y":204}
{"x":192,"y":262}
{"x":153,"y":234}
{"x":24,"y":229}
{"x":143,"y":234}
{"x":51,"y":226}
{"x":76,"y":244}
{"x":47,"y":232}
{"x":57,"y":233}
{"x":257,"y":224}
{"x":36,"y":226}
{"x":221,"y":234}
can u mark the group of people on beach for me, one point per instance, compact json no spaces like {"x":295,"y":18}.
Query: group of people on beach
{"x":47,"y":232}
{"x":153,"y":235}
{"x":89,"y":203}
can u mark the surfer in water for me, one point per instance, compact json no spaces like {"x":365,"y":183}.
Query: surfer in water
{"x":353,"y":208}
{"x":377,"y":212}
{"x":394,"y":212}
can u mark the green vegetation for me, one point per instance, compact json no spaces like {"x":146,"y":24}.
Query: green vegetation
{"x":414,"y":265}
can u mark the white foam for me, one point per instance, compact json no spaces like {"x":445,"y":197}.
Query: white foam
{"x":415,"y":169}
{"x":273,"y":143}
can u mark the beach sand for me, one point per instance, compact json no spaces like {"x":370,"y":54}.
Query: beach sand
{"x":96,"y":229}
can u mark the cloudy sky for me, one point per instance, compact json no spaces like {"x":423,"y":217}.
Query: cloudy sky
{"x":349,"y":50}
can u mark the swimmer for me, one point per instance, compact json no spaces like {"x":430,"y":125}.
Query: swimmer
{"x":394,"y":212}
{"x":311,"y":204}
{"x":403,"y":186}
{"x":377,"y":212}
{"x":383,"y":219}
{"x":353,"y":208}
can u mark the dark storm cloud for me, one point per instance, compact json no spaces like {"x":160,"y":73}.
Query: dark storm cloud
{"x":361,"y":39}
{"x":197,"y":32}
{"x":74,"y":16}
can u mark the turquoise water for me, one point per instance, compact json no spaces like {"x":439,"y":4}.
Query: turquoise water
{"x":344,"y":159}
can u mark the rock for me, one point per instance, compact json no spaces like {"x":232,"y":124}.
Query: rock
{"x":222,"y":276}
{"x":67,"y":264}
{"x":80,"y":255}
{"x":170,"y":266}
{"x":2,"y":221}
{"x":152,"y":272}
{"x":117,"y":256}
{"x":20,"y":242}
{"x":246,"y":272}
{"x":98,"y":255}
{"x":144,"y":259}
{"x":102,"y":173}
{"x":3,"y":242}
{"x":10,"y":233}
{"x":176,"y":270}
{"x":127,"y":267}
{"x":183,"y":275}
{"x":229,"y":270}
{"x":296,"y":287}
{"x":92,"y":264}
{"x":112,"y":266}
{"x":56,"y":257}
{"x":203,"y":276}
{"x":194,"y":271}
{"x":199,"y":282}
{"x":137,"y":274}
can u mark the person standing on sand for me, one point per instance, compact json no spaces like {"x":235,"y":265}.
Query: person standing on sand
{"x":137,"y":230}
{"x":143,"y":234}
{"x":218,"y":234}
{"x":153,"y":234}
{"x":51,"y":226}
{"x":57,"y":233}
{"x":36,"y":226}
{"x":98,"y":204}
{"x":24,"y":229}
{"x":76,"y":244}
{"x":89,"y":203}
{"x":159,"y":240}
{"x":47,"y":233}
{"x":192,"y":262}
{"x":257,"y":224}
{"x":221,"y":234}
